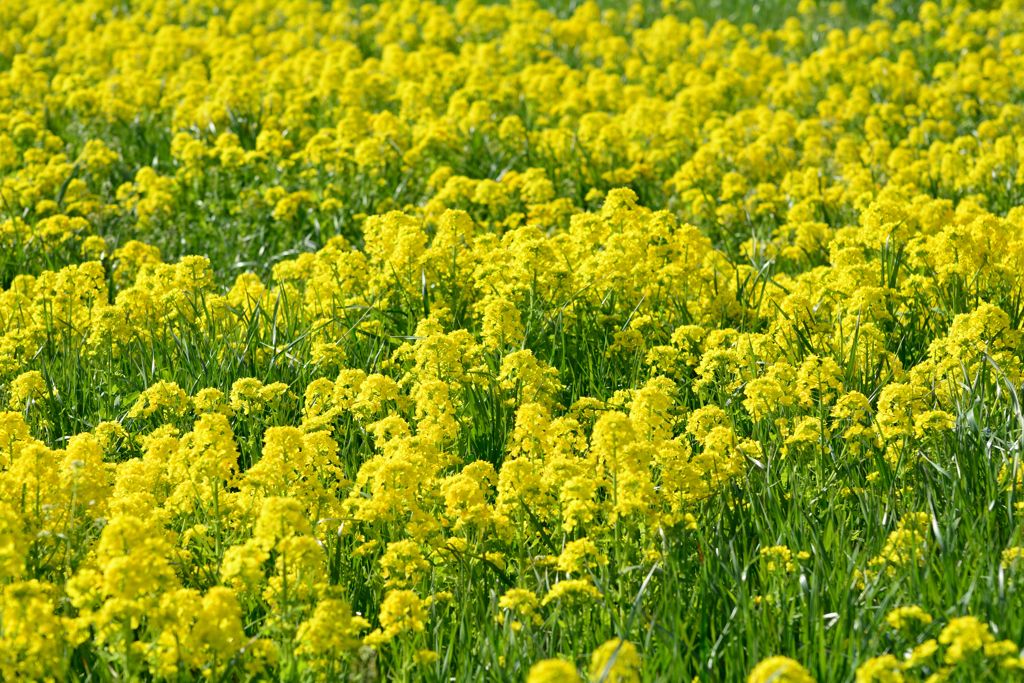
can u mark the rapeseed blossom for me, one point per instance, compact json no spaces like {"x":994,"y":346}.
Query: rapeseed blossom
{"x":782,"y":669}
{"x":433,"y":341}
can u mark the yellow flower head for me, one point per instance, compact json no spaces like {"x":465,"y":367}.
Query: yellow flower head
{"x":909,"y":617}
{"x":617,"y":661}
{"x":553,"y":671}
{"x":779,"y":669}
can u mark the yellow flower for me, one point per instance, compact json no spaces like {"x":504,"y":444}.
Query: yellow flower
{"x":908,"y":617}
{"x":908,"y":543}
{"x":964,"y":636}
{"x":329,"y":632}
{"x":218,"y":630}
{"x":403,"y":564}
{"x":884,"y":669}
{"x":28,"y":386}
{"x":778,"y":559}
{"x":553,"y":671}
{"x":524,"y":602}
{"x":779,"y":669}
{"x":250,"y":397}
{"x":401,"y":612}
{"x":32,"y":637}
{"x":1011,"y":557}
{"x":572,"y":589}
{"x":502,"y":326}
{"x":617,"y":661}
{"x":166,"y":396}
{"x":578,"y":555}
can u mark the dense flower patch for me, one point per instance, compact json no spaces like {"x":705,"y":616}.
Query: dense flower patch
{"x":350,"y":342}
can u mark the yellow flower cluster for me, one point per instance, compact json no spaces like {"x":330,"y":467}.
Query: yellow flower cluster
{"x":327,"y":323}
{"x":964,"y":644}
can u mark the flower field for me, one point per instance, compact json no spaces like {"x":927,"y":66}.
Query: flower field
{"x":513,"y":343}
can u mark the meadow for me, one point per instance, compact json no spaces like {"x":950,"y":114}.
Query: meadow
{"x":516,"y":342}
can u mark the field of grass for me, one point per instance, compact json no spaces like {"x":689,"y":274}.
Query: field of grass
{"x":515,"y":342}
